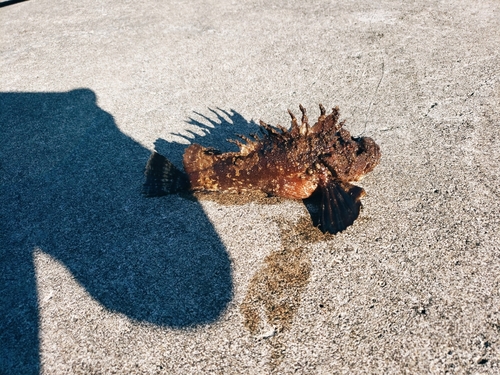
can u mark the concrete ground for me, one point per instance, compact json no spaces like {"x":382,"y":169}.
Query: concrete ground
{"x":96,"y":279}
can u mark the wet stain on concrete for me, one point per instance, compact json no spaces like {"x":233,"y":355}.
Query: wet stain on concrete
{"x":275,"y":291}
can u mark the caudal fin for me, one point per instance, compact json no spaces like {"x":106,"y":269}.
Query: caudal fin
{"x":339,"y":207}
{"x":162,"y":177}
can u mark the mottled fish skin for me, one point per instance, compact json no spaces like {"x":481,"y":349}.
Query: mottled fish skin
{"x":292,"y":163}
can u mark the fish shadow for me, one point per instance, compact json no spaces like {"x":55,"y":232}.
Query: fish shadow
{"x":209,"y":131}
{"x":71,"y":187}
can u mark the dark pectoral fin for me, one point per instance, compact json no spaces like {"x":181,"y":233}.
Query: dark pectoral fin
{"x":162,"y":177}
{"x":339,"y":207}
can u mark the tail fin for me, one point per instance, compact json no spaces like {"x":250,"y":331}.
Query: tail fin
{"x":162,"y":177}
{"x":340,"y":206}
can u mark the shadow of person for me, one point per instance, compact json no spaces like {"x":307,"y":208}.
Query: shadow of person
{"x":70,"y":186}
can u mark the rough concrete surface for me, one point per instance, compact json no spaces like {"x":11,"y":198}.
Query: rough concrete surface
{"x":96,"y":279}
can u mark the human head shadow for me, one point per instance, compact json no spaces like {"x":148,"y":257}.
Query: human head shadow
{"x":70,"y":186}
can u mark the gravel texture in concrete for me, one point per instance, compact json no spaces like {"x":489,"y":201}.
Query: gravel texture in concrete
{"x":97,"y":279}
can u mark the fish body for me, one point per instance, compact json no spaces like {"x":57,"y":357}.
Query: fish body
{"x":292,"y":163}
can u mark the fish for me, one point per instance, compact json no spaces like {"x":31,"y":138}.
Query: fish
{"x":322,"y":160}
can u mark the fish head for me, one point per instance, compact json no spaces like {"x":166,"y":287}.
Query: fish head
{"x":367,"y":157}
{"x":351,"y":158}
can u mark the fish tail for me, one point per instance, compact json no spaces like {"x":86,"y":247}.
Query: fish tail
{"x":162,"y":177}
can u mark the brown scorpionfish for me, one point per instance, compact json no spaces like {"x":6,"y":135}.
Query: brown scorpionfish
{"x":323,"y":159}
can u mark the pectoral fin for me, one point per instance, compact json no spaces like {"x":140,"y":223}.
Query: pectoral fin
{"x":162,"y":177}
{"x":339,"y":206}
